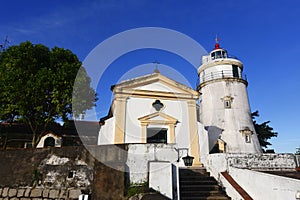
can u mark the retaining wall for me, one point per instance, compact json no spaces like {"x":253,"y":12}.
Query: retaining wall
{"x":62,"y":173}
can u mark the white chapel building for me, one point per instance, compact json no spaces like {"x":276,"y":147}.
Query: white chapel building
{"x":161,"y":120}
{"x":156,"y":109}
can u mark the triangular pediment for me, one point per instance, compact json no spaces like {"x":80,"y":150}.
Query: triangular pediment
{"x":158,"y":117}
{"x":154,"y":83}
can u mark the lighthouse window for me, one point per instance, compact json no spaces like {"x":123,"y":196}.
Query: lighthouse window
{"x":247,"y":134}
{"x":247,"y":138}
{"x":227,"y":101}
{"x":213,"y":56}
{"x":224,"y":54}
{"x":235,"y":71}
{"x":227,"y":104}
{"x":218,"y":54}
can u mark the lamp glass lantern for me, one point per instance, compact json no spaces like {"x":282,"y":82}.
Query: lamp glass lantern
{"x":188,"y":160}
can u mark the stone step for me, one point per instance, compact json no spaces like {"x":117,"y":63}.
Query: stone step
{"x":200,"y":188}
{"x":198,"y":184}
{"x":202,"y":193}
{"x":207,"y":174}
{"x":196,"y":179}
{"x":186,"y":172}
{"x":189,"y":170}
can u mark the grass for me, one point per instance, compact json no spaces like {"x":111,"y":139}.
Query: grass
{"x":137,"y":189}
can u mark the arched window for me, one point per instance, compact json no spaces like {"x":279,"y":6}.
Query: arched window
{"x":49,"y":142}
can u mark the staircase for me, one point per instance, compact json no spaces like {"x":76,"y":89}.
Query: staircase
{"x":196,"y":183}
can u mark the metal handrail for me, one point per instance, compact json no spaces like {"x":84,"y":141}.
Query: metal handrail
{"x":221,"y":74}
{"x":209,"y":59}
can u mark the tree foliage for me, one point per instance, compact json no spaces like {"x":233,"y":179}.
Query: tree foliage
{"x":37,"y":84}
{"x":264,"y":131}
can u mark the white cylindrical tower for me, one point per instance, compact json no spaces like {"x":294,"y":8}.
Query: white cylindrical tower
{"x":224,"y":106}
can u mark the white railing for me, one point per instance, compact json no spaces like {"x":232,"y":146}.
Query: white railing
{"x":221,"y":74}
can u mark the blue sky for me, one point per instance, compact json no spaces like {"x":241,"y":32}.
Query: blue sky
{"x":264,"y":35}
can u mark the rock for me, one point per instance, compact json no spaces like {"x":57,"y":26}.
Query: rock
{"x":36,"y":192}
{"x":74,"y":194}
{"x":27,"y":192}
{"x":46,"y":193}
{"x":53,"y":194}
{"x":5,"y":192}
{"x":63,"y":194}
{"x":20,"y":192}
{"x":12,"y":192}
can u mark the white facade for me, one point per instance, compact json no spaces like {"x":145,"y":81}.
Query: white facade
{"x":106,"y":133}
{"x":134,"y":116}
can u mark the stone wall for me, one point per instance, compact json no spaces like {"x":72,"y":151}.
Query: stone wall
{"x":103,"y":172}
{"x":29,"y":193}
{"x":30,"y":167}
{"x":262,"y":161}
{"x":62,"y":173}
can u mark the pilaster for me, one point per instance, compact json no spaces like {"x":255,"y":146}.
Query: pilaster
{"x":120,"y":114}
{"x":194,"y":138}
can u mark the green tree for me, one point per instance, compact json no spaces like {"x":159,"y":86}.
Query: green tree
{"x":37,"y":84}
{"x":264,"y":131}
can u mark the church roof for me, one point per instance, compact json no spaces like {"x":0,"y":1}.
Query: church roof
{"x":138,"y":82}
{"x":153,"y":85}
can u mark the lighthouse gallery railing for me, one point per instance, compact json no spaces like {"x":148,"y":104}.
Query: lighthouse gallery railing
{"x":222,"y":74}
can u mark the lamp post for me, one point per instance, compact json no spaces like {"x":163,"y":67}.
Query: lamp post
{"x":188,"y":160}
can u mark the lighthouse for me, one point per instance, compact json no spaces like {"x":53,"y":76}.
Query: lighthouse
{"x":224,"y":105}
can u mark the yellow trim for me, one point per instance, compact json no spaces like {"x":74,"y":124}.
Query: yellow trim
{"x":147,"y":120}
{"x":155,"y":94}
{"x":247,"y":132}
{"x":172,"y":134}
{"x":222,"y":146}
{"x":154,"y":78}
{"x":120,"y":115}
{"x":194,"y":138}
{"x":144,"y":133}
